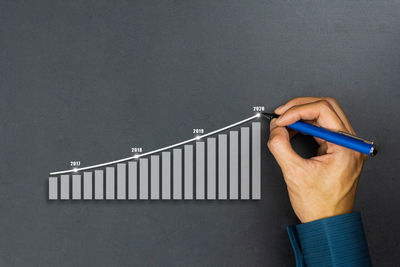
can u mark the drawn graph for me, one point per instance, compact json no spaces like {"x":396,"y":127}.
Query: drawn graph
{"x":224,"y":164}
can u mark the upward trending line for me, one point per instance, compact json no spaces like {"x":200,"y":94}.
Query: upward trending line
{"x":157,"y":150}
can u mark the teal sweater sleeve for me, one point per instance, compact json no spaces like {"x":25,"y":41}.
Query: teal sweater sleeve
{"x":334,"y":241}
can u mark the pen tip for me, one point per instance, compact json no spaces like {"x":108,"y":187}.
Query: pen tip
{"x":269,"y":116}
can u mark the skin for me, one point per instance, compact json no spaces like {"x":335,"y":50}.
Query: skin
{"x":325,"y":185}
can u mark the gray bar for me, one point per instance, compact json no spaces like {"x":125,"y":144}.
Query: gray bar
{"x":211,"y":168}
{"x":200,"y":181}
{"x":64,"y":184}
{"x":155,"y":177}
{"x":256,"y":159}
{"x":177,"y":173}
{"x":98,"y":184}
{"x":244,"y":163}
{"x":222,"y":166}
{"x":53,"y":188}
{"x":121,"y":181}
{"x":87,"y":185}
{"x":110,"y":183}
{"x":233,"y":165}
{"x":144,"y":178}
{"x":188,"y":169}
{"x":132,"y":180}
{"x":166,"y":175}
{"x":76,"y":186}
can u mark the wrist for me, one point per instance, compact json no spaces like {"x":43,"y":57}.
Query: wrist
{"x":317,"y":209}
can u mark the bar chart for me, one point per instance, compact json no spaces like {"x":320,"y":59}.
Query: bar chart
{"x":224,"y":164}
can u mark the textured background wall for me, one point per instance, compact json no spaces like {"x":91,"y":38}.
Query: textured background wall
{"x":87,"y":80}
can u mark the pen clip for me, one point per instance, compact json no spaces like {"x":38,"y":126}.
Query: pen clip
{"x":356,"y":137}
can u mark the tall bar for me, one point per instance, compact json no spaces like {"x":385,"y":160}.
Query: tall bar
{"x":188,"y":171}
{"x":53,"y":188}
{"x":222,"y":166}
{"x":87,"y":185}
{"x":155,"y":177}
{"x":76,"y":187}
{"x":244,"y":163}
{"x":166,"y":175}
{"x":132,"y":180}
{"x":200,"y":170}
{"x":110,"y":183}
{"x":177,"y":173}
{"x":121,"y":181}
{"x":98,"y":184}
{"x":256,"y":160}
{"x":143,"y":178}
{"x":233,"y":165}
{"x":211,"y":168}
{"x":64,"y":187}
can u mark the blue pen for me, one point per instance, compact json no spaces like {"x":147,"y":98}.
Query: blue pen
{"x":339,"y":138}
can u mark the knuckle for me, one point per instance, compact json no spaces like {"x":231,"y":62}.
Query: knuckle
{"x":325,"y":105}
{"x":270,"y":144}
{"x":275,"y":141}
{"x":332,"y":100}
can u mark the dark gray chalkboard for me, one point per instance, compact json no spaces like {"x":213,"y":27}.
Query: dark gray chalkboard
{"x":87,"y":80}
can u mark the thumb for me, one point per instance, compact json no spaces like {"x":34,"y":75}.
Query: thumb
{"x":280,"y":147}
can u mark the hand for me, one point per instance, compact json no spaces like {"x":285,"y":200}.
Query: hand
{"x":325,"y":185}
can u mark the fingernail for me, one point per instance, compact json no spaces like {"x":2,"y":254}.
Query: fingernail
{"x":278,"y":108}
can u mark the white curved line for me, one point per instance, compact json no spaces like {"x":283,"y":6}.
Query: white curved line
{"x":157,"y":150}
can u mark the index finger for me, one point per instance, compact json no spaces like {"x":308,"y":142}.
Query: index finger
{"x":320,"y":111}
{"x":304,"y":100}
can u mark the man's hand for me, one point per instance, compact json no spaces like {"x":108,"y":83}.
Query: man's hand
{"x":325,"y":185}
